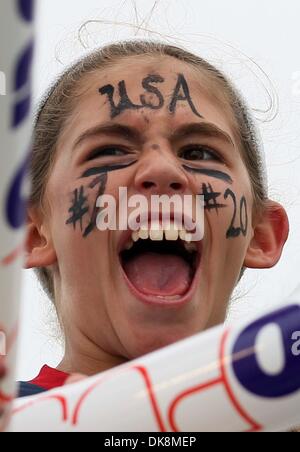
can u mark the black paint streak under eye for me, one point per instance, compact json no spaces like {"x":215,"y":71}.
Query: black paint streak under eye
{"x":210,"y":198}
{"x":102,"y":180}
{"x":181,"y":94}
{"x":79,"y":208}
{"x":105,"y":169}
{"x":208,"y":172}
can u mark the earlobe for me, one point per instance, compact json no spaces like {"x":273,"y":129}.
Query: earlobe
{"x":39,"y":250}
{"x":269,"y":238}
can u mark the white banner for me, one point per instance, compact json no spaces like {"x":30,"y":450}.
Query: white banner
{"x":16,"y":38}
{"x":244,"y":379}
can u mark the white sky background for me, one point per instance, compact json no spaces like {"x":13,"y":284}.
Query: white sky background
{"x":226,"y":32}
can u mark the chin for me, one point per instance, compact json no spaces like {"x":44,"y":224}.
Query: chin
{"x":156,"y":339}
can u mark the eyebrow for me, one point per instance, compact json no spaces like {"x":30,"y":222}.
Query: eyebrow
{"x":119,"y":130}
{"x":206,"y":129}
{"x":113,"y":129}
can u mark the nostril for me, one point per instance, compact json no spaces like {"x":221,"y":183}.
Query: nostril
{"x":148,"y":184}
{"x":176,"y":186}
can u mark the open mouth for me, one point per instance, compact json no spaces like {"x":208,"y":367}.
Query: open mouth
{"x":161,"y":264}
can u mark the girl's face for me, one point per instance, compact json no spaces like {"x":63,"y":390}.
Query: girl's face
{"x":150,"y":128}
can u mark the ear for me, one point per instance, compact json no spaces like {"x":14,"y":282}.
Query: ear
{"x":39,"y":248}
{"x":270,"y":235}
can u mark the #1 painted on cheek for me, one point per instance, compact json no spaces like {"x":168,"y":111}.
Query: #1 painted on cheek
{"x":80,"y":207}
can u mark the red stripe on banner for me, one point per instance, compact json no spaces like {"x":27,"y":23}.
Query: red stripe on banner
{"x":152,"y":398}
{"x":143,"y":371}
{"x":58,"y":398}
{"x":255,"y":427}
{"x":5,"y":398}
{"x":174,"y":404}
{"x":221,"y":380}
{"x":8,"y":260}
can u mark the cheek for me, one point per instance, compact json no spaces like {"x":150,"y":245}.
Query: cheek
{"x":73,"y":216}
{"x":228,"y":210}
{"x":227,"y":236}
{"x":70,"y":205}
{"x":115,"y":180}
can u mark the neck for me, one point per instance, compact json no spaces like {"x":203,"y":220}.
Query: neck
{"x":86,"y":358}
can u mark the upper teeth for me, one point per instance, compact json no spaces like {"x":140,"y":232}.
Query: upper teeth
{"x":157,"y":233}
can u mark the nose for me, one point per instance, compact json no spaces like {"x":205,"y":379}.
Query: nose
{"x":160,"y":174}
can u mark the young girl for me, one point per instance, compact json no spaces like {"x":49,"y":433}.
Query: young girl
{"x":156,"y":120}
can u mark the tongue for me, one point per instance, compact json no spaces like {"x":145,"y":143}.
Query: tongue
{"x":159,"y":274}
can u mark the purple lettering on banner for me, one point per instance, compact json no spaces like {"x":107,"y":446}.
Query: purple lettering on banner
{"x":16,"y":204}
{"x":22,"y":80}
{"x":26,"y":9}
{"x":247,"y":369}
{"x":23,"y":70}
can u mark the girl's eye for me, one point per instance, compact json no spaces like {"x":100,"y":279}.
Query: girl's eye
{"x":107,"y":152}
{"x":195,"y":153}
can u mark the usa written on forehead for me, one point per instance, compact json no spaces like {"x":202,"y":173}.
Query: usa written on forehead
{"x":155,"y":99}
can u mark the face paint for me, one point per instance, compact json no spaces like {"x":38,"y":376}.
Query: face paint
{"x":79,"y":208}
{"x":210,"y":198}
{"x":211,"y":173}
{"x":234,"y":231}
{"x":124,"y":104}
{"x":105,"y":169}
{"x":102,"y":180}
{"x":155,"y":147}
{"x":152,"y":89}
{"x":211,"y":203}
{"x":181,"y":93}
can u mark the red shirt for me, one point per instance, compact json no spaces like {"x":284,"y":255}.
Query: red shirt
{"x":49,"y":378}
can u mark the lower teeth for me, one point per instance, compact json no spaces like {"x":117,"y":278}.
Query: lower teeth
{"x":171,"y":298}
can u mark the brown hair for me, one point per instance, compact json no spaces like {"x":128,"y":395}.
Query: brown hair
{"x":59,"y":101}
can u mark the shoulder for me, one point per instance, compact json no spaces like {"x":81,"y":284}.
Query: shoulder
{"x":29,"y":389}
{"x":47,"y":379}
